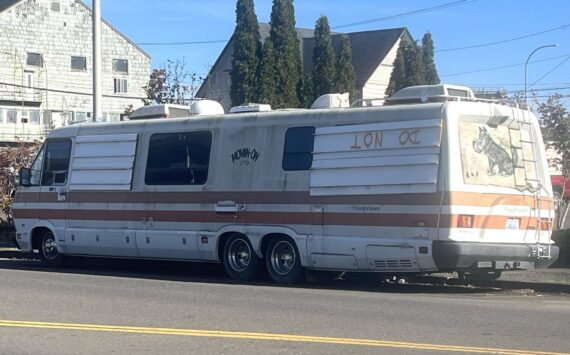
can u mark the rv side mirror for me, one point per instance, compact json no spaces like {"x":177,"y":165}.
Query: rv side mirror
{"x":25,"y":177}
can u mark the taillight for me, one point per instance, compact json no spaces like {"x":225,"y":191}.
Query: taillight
{"x":465,"y":221}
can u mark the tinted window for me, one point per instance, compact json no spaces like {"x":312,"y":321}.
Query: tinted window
{"x":56,"y":162}
{"x":298,"y":151}
{"x":178,"y":158}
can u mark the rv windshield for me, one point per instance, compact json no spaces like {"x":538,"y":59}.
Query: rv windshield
{"x":36,"y":168}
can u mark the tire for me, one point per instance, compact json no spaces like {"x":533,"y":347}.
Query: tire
{"x":282,"y":261}
{"x":49,"y":255}
{"x":240,"y":261}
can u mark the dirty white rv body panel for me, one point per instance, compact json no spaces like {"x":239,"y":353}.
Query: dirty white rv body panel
{"x":387,"y":189}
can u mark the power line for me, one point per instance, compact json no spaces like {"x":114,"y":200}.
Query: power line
{"x":504,"y":66}
{"x":553,"y":69}
{"x":563,"y":27}
{"x":405,"y":14}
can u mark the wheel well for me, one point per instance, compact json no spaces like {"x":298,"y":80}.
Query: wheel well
{"x":222,"y":241}
{"x":36,"y":235}
{"x":267,"y":239}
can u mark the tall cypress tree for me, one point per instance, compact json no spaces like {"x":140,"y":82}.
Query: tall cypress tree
{"x":247,"y":53}
{"x":323,"y":58}
{"x":427,"y":57}
{"x":266,"y":89}
{"x":345,"y":78}
{"x":408,"y":68}
{"x":287,"y":53}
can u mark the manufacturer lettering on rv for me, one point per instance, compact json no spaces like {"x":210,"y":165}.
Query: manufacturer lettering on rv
{"x":245,"y":153}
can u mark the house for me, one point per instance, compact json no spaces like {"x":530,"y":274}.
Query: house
{"x":373,"y":55}
{"x":46,"y":70}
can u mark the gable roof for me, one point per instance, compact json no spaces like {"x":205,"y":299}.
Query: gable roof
{"x":5,"y":4}
{"x":369,"y":48}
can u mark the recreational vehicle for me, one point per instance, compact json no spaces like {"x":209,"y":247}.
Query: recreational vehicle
{"x":434,"y":180}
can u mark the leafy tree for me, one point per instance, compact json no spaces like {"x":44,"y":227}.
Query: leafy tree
{"x":266,"y":89}
{"x":169,"y":85}
{"x":323,"y":58}
{"x":247,"y":53}
{"x":345,"y":78}
{"x":556,"y":126}
{"x":287,"y":53}
{"x":431,"y":76}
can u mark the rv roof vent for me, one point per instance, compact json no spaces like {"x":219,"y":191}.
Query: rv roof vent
{"x":251,"y":107}
{"x":332,"y":101}
{"x":431,"y":93}
{"x":206,"y":107}
{"x":160,"y":111}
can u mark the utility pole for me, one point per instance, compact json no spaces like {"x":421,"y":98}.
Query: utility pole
{"x":96,"y":61}
{"x":526,"y":65}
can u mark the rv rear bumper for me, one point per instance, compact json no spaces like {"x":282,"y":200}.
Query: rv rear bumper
{"x":466,"y":255}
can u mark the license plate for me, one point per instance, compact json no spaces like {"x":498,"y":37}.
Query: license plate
{"x":513,"y":223}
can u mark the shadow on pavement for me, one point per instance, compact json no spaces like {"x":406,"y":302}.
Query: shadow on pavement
{"x":214,"y":273}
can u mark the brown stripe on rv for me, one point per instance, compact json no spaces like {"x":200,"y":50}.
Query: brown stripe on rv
{"x":287,"y":197}
{"x":277,"y":218}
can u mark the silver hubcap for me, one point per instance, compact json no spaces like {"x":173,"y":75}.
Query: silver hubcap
{"x":239,"y":255}
{"x":283,"y":257}
{"x":48,"y":248}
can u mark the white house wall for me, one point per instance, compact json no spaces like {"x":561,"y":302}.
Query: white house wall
{"x":33,"y":26}
{"x":378,"y":82}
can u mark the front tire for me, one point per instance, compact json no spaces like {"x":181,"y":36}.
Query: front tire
{"x":240,"y":261}
{"x":49,"y":255}
{"x":283,"y":261}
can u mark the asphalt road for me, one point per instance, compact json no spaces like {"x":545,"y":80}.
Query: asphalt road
{"x":158,"y":307}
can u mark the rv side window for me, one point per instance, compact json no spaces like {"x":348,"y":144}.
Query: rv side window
{"x":56,"y":162}
{"x":298,"y":151}
{"x":36,"y":168}
{"x":178,"y":158}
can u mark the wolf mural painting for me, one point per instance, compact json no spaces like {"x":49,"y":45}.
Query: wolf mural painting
{"x":488,"y":156}
{"x":499,"y":160}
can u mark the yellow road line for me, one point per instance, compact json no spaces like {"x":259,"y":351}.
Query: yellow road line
{"x":266,"y":336}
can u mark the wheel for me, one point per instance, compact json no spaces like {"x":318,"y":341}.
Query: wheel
{"x":49,"y":255}
{"x":282,"y":261}
{"x":240,"y":261}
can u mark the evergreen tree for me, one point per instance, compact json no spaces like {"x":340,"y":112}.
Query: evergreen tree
{"x":306,"y":91}
{"x":287,"y":53}
{"x":323,"y":58}
{"x":345,"y":78}
{"x":408,"y":68}
{"x":266,"y":89}
{"x":398,"y":77}
{"x":247,"y":53}
{"x":428,"y":58}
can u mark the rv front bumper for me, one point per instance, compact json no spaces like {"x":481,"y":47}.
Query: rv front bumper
{"x":465,"y":255}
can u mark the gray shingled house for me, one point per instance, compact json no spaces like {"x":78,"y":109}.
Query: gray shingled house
{"x":373,"y":54}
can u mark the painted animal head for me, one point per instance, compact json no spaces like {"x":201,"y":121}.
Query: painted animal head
{"x":482,"y":140}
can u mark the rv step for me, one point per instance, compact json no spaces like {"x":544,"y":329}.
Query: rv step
{"x":526,"y":141}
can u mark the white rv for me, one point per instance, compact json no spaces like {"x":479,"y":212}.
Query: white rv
{"x":434,"y":180}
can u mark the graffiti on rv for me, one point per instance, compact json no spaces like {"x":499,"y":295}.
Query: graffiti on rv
{"x":375,"y":139}
{"x":489,"y":156}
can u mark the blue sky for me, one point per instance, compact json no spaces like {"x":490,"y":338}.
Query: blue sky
{"x":462,"y":24}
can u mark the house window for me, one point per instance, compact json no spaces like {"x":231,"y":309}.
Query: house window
{"x":298,"y":150}
{"x":120,"y":85}
{"x":12,"y":116}
{"x":78,"y":63}
{"x":35,"y":117}
{"x":55,"y":7}
{"x":178,"y":158}
{"x":28,"y":79}
{"x":121,"y":66}
{"x":24,"y":116}
{"x":1,"y":116}
{"x":35,"y":60}
{"x":80,"y":116}
{"x":47,"y":118}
